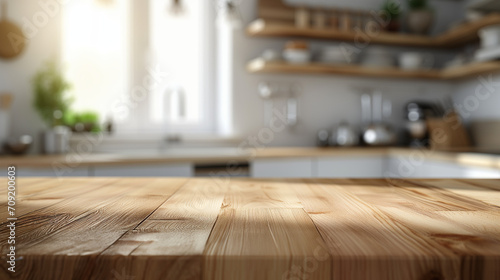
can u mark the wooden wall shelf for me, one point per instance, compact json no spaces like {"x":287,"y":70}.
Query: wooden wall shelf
{"x":456,"y":37}
{"x":462,"y":72}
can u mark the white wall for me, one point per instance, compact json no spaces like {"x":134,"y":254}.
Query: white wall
{"x":16,"y":74}
{"x":479,"y":100}
{"x":487,"y":107}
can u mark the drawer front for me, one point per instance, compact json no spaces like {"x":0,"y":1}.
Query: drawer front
{"x":348,"y":167}
{"x":404,"y":167}
{"x":282,"y":168}
{"x":177,"y":170}
{"x":53,"y":172}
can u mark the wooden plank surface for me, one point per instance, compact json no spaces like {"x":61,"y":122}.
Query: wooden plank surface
{"x":360,"y":234}
{"x":265,"y":243}
{"x":176,"y":232}
{"x":177,"y":228}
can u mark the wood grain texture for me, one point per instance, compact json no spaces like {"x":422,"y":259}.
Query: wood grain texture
{"x":176,"y":231}
{"x":42,"y":193}
{"x":456,"y":73}
{"x":179,"y":228}
{"x":263,"y":243}
{"x":360,"y":234}
{"x":277,"y":21}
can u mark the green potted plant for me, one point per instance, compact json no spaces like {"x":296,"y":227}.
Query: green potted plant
{"x":391,"y":12}
{"x":420,"y":17}
{"x":51,"y":102}
{"x":82,"y":122}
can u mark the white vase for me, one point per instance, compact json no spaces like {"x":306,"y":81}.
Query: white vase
{"x":420,"y":21}
{"x":56,"y":140}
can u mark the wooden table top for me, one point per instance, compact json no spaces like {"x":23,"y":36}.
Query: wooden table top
{"x":216,"y":228}
{"x":466,"y":157}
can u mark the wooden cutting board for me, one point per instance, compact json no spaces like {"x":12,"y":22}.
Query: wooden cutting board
{"x":5,"y":101}
{"x":448,"y":132}
{"x":12,"y":39}
{"x":139,"y":228}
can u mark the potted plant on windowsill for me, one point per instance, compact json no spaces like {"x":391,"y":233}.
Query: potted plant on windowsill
{"x":51,"y":102}
{"x":420,"y":17}
{"x":82,"y":122}
{"x":391,"y":12}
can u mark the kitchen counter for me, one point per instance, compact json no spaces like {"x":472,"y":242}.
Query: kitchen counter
{"x":104,"y":228}
{"x":225,"y":155}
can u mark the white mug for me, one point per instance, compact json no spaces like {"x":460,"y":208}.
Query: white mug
{"x":415,"y":61}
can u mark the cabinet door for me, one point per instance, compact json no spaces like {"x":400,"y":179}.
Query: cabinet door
{"x":282,"y":168}
{"x":406,"y":168}
{"x":156,"y":170}
{"x":350,"y":167}
{"x":53,"y":172}
{"x":436,"y":169}
{"x":480,"y":173}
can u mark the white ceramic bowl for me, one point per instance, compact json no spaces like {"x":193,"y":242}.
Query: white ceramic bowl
{"x":297,"y":56}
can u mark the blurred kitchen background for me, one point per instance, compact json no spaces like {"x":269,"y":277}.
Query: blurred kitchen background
{"x":262,"y":88}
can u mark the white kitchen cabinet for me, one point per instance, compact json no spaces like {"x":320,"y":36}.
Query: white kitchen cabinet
{"x":350,"y":167}
{"x":406,"y":167}
{"x":156,"y":170}
{"x":52,"y":172}
{"x":480,"y":173}
{"x":282,"y":168}
{"x":413,"y":167}
{"x":367,"y":167}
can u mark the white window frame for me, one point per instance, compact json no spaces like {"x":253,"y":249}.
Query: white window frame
{"x":140,"y":66}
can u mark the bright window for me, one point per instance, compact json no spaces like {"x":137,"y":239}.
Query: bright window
{"x":180,"y":45}
{"x":111,"y":47}
{"x":95,"y":52}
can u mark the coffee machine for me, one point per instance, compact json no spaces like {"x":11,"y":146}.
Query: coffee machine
{"x":417,"y":114}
